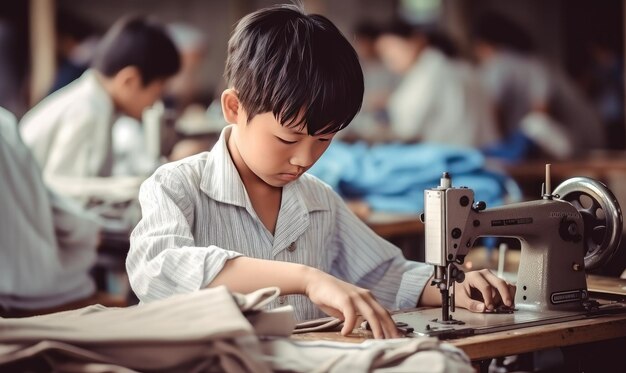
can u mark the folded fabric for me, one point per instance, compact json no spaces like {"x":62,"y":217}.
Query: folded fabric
{"x":170,"y":335}
{"x":323,"y":324}
{"x":394,"y":355}
{"x":210,"y":330}
{"x":392,"y":177}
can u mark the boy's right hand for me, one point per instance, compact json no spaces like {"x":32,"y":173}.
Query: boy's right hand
{"x":346,"y":302}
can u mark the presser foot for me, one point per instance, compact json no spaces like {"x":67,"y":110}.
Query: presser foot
{"x":450,"y":321}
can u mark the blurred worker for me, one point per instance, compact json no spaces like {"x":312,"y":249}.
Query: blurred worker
{"x":48,"y":243}
{"x":439,"y":99}
{"x":532,"y":100}
{"x":371,"y":124}
{"x":69,"y":132}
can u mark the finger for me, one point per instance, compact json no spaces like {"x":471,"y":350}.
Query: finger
{"x":512,"y":291}
{"x":349,"y":317}
{"x":368,"y":314}
{"x":388,"y":325}
{"x":501,"y":286}
{"x":483,"y":286}
{"x":495,"y":297}
{"x":476,"y":306}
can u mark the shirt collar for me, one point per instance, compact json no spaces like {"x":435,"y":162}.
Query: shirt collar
{"x":221,"y":181}
{"x":91,"y":83}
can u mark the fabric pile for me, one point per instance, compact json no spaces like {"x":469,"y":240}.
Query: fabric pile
{"x":210,"y":330}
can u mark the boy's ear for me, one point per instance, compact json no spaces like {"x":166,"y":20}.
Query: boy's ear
{"x":231,"y":107}
{"x":128,"y":77}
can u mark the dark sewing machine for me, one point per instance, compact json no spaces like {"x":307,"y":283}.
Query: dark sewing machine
{"x":576,"y":227}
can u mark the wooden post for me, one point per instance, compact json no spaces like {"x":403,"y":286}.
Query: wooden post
{"x":42,"y":48}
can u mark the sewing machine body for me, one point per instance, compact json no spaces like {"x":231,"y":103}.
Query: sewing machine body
{"x":557,"y":235}
{"x":551,"y":273}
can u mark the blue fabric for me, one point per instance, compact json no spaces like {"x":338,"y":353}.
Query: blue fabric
{"x":513,"y":149}
{"x":392,"y":177}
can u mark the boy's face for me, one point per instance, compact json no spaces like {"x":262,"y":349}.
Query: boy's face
{"x":131,"y":96}
{"x":276,"y":154}
{"x":140,"y":97}
{"x":398,"y":54}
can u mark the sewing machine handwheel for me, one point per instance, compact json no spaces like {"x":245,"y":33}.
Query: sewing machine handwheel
{"x":601,"y":214}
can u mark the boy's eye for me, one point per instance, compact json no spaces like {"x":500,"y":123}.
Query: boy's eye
{"x":285,"y":141}
{"x":323,"y":140}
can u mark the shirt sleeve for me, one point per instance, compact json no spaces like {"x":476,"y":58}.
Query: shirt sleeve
{"x":412,"y":104}
{"x":35,"y":253}
{"x":78,"y":163}
{"x":163,"y":259}
{"x":538,"y":80}
{"x":493,"y":79}
{"x":75,"y":151}
{"x":367,"y":260}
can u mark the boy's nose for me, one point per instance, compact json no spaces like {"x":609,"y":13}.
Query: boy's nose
{"x":303,"y":158}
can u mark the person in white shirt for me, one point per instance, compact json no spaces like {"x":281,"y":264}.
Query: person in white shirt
{"x":48,"y":243}
{"x":371,"y":124}
{"x":530,"y":96}
{"x":439,"y":99}
{"x":246,"y":215}
{"x":69,"y":132}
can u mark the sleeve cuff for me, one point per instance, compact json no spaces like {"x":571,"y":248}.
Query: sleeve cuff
{"x":215,"y":263}
{"x":413,"y":284}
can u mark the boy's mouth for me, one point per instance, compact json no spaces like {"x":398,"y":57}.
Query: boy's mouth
{"x":289,"y":176}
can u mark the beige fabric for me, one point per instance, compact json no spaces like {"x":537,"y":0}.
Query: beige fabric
{"x":318,"y":325}
{"x":206,"y":331}
{"x":175,"y":334}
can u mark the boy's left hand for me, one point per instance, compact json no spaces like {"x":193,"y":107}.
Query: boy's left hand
{"x":483,"y":291}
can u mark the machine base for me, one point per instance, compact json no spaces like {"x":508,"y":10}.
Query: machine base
{"x":425,"y":322}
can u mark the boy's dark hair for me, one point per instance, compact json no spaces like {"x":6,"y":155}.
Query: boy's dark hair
{"x":139,"y":42}
{"x":297,"y":66}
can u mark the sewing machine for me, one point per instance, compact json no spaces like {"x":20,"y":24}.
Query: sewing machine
{"x":576,"y":227}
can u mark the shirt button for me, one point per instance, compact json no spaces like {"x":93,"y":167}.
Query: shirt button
{"x":292,"y":247}
{"x":282,"y":300}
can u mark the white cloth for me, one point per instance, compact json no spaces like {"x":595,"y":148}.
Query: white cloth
{"x":419,"y":355}
{"x":47,"y":243}
{"x":440,"y":100}
{"x":206,"y":331}
{"x":130,"y":153}
{"x":69,"y":134}
{"x":197,"y":215}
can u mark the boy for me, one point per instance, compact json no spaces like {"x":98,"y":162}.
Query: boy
{"x":246,"y":215}
{"x":69,"y":132}
{"x":48,"y":245}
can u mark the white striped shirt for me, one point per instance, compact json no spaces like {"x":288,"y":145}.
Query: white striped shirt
{"x":197,"y":215}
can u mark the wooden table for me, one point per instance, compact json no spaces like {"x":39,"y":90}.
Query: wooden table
{"x":403,"y":230}
{"x":481,"y":348}
{"x":390,"y":225}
